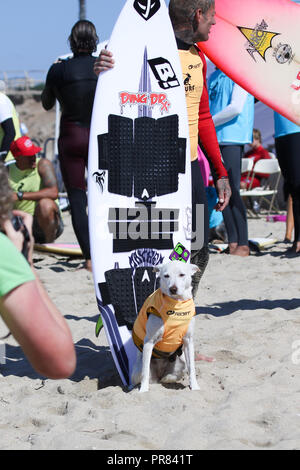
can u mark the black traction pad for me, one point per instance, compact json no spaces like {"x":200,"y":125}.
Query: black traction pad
{"x":167,"y":167}
{"x":144,"y":285}
{"x":127,"y":292}
{"x":146,"y":154}
{"x":115,"y":154}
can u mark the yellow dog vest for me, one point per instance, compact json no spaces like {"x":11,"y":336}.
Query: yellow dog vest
{"x":176,"y":316}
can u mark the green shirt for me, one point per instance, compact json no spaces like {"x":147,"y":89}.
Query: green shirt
{"x":14,"y":269}
{"x":26,"y":181}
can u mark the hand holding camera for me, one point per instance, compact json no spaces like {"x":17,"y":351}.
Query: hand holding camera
{"x":18,"y":230}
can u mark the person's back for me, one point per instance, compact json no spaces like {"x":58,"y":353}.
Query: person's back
{"x":238,"y":129}
{"x":73,"y":83}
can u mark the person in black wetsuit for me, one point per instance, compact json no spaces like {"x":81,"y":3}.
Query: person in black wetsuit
{"x":73,"y":83}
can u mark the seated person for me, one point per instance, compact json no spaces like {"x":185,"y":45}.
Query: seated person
{"x":35,"y":189}
{"x":257,"y":152}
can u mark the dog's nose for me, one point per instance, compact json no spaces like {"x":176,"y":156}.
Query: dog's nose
{"x":173,"y":290}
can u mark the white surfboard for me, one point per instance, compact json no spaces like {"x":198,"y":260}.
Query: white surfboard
{"x":139,"y":184}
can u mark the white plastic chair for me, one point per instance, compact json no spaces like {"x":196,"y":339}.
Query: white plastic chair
{"x":270,"y":167}
{"x":246,"y":166}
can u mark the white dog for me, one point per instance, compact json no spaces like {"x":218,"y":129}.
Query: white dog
{"x":164,"y":325}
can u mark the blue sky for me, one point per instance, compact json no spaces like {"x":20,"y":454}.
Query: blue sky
{"x":34,"y":32}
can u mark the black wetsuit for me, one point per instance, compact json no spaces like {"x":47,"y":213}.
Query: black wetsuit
{"x":73,"y":83}
{"x":287,"y":151}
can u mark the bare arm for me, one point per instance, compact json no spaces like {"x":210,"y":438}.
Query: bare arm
{"x":36,"y":323}
{"x":48,"y":346}
{"x":49,"y":187}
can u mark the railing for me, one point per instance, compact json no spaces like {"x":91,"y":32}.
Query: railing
{"x":22,"y":81}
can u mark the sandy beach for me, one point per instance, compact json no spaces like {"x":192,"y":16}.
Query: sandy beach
{"x":249,"y":398}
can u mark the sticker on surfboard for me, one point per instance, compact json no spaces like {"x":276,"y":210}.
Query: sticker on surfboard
{"x":256,"y":43}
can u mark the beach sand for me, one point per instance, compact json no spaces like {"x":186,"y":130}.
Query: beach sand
{"x":249,"y":397}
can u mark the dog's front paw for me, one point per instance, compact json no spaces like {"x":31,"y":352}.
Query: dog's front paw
{"x":194,"y":386}
{"x":169,"y":379}
{"x":144,"y":388}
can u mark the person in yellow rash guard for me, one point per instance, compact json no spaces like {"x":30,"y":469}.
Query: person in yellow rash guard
{"x":35,"y":190}
{"x":176,"y":316}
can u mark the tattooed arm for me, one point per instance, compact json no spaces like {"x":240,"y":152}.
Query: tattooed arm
{"x":49,"y":183}
{"x":48,"y":187}
{"x":224,"y":193}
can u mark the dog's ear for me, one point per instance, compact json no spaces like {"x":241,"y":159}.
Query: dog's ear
{"x":194,"y":268}
{"x":156,"y":269}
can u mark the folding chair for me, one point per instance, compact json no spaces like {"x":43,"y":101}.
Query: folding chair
{"x":270,"y":167}
{"x":246,"y":166}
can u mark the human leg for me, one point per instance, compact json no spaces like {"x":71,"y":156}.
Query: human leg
{"x":47,"y":222}
{"x":73,"y":157}
{"x":200,"y":228}
{"x":78,"y":205}
{"x":235,"y":217}
{"x":287,"y":150}
{"x":289,"y":227}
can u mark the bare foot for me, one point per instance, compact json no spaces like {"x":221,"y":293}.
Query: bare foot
{"x":88,"y":265}
{"x":201,"y":357}
{"x":232,"y":247}
{"x":241,"y":250}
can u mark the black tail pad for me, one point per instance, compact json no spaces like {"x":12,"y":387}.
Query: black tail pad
{"x":120,"y":287}
{"x":103,"y":151}
{"x":144,"y":284}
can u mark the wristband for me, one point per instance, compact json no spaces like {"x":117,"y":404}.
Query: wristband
{"x":20,"y":195}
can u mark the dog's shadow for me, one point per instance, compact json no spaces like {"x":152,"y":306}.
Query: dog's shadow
{"x":174,"y":386}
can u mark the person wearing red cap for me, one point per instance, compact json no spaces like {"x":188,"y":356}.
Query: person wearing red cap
{"x":35,"y":189}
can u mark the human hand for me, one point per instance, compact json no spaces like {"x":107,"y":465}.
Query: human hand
{"x":20,"y":233}
{"x":104,"y":62}
{"x":16,"y":237}
{"x":27,"y":220}
{"x":224,"y":193}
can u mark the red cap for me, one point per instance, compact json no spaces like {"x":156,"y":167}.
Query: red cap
{"x":24,"y":147}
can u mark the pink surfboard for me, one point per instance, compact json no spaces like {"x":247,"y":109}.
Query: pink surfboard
{"x":257,"y":44}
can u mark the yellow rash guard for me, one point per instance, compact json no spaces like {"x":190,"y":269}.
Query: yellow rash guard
{"x":176,"y":316}
{"x":192,"y":69}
